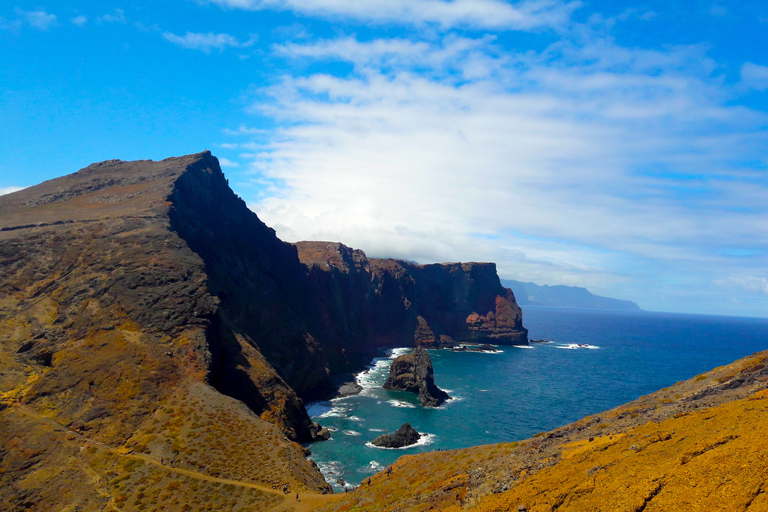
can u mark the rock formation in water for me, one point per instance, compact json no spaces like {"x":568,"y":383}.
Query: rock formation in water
{"x":148,"y":314}
{"x":414,"y":373}
{"x":406,"y":435}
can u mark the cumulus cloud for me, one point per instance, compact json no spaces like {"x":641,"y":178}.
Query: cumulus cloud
{"x":754,"y":76}
{"x":497,"y":14}
{"x":40,"y":20}
{"x":227,"y":163}
{"x":80,"y":21}
{"x":117,"y":16}
{"x":206,"y":41}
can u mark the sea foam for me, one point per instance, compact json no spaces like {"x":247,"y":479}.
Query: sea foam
{"x":424,"y":440}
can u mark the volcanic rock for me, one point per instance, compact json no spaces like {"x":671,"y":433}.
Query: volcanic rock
{"x":414,"y":373}
{"x":406,"y":435}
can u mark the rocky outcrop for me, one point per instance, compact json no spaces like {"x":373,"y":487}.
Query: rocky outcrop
{"x":406,"y":435}
{"x":414,"y":373}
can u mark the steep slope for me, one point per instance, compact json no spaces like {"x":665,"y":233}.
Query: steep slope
{"x":112,"y":328}
{"x":697,"y":445}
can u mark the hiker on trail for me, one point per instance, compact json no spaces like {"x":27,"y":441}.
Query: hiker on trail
{"x":369,"y":482}
{"x":389,"y":470}
{"x":297,"y":497}
{"x":162,"y":461}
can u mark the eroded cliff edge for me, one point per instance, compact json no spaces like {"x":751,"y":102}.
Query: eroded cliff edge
{"x":142,"y":304}
{"x":387,"y":302}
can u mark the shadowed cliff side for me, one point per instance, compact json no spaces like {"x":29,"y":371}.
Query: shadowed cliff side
{"x":386,"y":302}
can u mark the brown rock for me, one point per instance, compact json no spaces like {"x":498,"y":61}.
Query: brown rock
{"x":414,"y":373}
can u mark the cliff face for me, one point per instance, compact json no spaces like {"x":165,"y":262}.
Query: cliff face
{"x":390,"y":302}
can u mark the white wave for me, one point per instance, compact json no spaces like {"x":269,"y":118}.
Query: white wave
{"x":335,"y":412}
{"x":331,"y":469}
{"x":424,"y":440}
{"x":576,"y":346}
{"x":351,"y":433}
{"x":375,"y":375}
{"x":355,"y":418}
{"x":401,"y":404}
{"x":396,"y":352}
{"x":454,"y":399}
{"x":522,"y":346}
{"x":372,"y":467}
{"x":376,"y":430}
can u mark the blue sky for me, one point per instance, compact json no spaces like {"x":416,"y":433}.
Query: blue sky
{"x":620,"y":146}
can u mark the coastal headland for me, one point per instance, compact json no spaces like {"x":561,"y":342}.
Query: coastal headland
{"x":146,"y":315}
{"x":158,"y":341}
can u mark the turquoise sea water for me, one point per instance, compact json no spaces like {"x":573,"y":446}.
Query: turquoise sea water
{"x":517,"y":392}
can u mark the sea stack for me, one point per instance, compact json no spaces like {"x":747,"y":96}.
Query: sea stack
{"x":406,"y":435}
{"x":413,"y":372}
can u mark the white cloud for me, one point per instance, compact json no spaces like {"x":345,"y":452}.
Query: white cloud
{"x":525,"y":15}
{"x":9,"y":190}
{"x":748,"y":283}
{"x":80,"y":21}
{"x":40,"y":20}
{"x":576,"y":165}
{"x":117,"y":16}
{"x":227,"y":163}
{"x":754,"y":76}
{"x":207,"y":41}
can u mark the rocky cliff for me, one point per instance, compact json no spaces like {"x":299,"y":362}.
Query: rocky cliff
{"x":382,"y":302}
{"x":148,"y":315}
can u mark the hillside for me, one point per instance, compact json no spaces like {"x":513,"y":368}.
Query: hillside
{"x":559,"y":296}
{"x":147,"y":317}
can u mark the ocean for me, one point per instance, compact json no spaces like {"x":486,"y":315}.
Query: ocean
{"x":595,"y":360}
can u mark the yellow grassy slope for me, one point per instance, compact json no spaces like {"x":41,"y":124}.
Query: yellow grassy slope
{"x":714,"y":459}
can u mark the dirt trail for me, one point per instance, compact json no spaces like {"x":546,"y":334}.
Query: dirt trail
{"x":308,"y":501}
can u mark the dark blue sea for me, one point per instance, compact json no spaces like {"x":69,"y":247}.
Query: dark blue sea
{"x":595,"y":360}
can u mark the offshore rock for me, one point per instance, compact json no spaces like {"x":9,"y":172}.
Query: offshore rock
{"x":413,"y":372}
{"x":406,"y":435}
